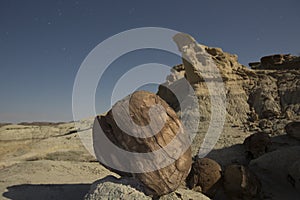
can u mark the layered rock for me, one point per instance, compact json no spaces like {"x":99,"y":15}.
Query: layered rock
{"x":143,"y":123}
{"x":252,"y":96}
{"x":277,"y":61}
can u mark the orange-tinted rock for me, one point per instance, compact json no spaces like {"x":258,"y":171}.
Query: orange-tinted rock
{"x":163,"y":180}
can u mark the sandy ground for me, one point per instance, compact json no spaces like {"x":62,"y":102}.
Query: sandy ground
{"x":52,"y":163}
{"x":52,"y":166}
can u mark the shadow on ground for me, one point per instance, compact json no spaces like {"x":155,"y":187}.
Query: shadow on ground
{"x":47,"y":192}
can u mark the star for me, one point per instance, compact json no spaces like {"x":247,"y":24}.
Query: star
{"x":59,"y":12}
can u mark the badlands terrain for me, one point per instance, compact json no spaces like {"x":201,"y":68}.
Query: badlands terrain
{"x":49,"y":161}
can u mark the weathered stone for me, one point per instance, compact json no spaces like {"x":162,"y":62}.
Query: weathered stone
{"x":293,"y":129}
{"x":113,"y":188}
{"x":264,"y":98}
{"x":162,"y":180}
{"x":126,"y":188}
{"x":277,"y":62}
{"x":257,"y":144}
{"x":241,"y":183}
{"x":206,"y":174}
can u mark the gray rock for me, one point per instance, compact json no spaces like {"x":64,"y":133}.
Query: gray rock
{"x":111,"y":188}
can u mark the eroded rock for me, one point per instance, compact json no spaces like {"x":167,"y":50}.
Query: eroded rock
{"x":113,"y":188}
{"x":277,"y":61}
{"x":137,"y":120}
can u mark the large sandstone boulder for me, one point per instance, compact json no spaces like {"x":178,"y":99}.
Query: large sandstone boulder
{"x":141,"y":124}
{"x":205,"y":176}
{"x":277,"y":61}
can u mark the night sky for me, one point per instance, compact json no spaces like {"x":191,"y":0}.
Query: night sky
{"x":43,"y":43}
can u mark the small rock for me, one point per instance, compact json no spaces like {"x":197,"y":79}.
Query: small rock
{"x":113,"y":188}
{"x":293,"y":129}
{"x":241,"y":183}
{"x":257,"y":144}
{"x":205,"y":175}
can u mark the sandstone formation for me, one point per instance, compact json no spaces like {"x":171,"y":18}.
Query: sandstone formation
{"x":257,"y":144}
{"x":205,"y":176}
{"x":125,"y":188}
{"x":277,"y":61}
{"x":256,"y":100}
{"x":241,"y":183}
{"x":164,"y":179}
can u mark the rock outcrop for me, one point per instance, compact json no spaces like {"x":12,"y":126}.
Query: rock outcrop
{"x":256,"y":100}
{"x":277,"y":61}
{"x":154,"y":130}
{"x":113,"y":188}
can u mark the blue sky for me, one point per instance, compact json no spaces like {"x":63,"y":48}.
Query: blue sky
{"x":43,"y":43}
